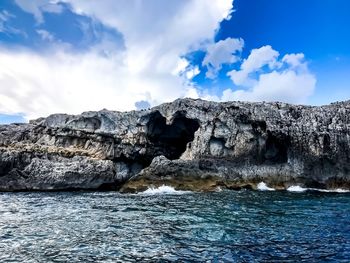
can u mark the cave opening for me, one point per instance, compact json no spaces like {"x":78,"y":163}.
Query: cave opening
{"x":171,"y":140}
{"x":276,"y":148}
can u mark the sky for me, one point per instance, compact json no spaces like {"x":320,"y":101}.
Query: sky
{"x":70,"y":56}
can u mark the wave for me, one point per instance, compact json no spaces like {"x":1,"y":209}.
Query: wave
{"x":169,"y":190}
{"x":164,"y":189}
{"x":263,"y":187}
{"x":339,"y":190}
{"x":218,"y":189}
{"x":297,"y":188}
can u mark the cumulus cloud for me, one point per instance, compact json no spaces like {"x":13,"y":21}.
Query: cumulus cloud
{"x":156,"y":36}
{"x":222,"y":52}
{"x":185,"y":69}
{"x":192,"y":72}
{"x":287,"y":79}
{"x":39,"y":85}
{"x":157,"y":32}
{"x":295,"y":61}
{"x":257,"y":59}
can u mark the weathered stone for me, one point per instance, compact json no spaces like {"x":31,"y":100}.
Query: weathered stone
{"x":189,"y":144}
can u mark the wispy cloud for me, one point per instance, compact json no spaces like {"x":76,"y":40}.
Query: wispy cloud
{"x":5,"y":26}
{"x":45,"y":35}
{"x":38,"y":7}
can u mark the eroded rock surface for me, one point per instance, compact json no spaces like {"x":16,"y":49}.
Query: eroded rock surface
{"x":189,"y":144}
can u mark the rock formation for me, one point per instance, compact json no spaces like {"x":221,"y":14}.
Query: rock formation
{"x":188,"y":144}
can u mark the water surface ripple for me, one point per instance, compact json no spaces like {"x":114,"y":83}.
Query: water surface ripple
{"x":232,"y":226}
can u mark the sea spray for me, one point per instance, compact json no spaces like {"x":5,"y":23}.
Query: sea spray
{"x":338,"y":190}
{"x":296,"y":188}
{"x":263,"y":187}
{"x":299,"y":189}
{"x":164,"y":189}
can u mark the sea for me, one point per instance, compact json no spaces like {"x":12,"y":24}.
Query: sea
{"x":165,"y":225}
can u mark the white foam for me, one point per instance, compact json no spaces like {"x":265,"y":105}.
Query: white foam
{"x":218,"y":189}
{"x":338,"y":190}
{"x":263,"y":187}
{"x":296,"y":188}
{"x":164,"y":189}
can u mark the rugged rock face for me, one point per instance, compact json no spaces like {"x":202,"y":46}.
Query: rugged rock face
{"x":189,"y":144}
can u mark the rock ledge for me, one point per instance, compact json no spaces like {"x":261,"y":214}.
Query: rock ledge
{"x":189,"y":144}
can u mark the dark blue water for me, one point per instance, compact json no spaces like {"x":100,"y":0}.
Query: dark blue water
{"x":236,"y":226}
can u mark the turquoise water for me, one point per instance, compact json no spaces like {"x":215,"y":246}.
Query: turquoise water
{"x":232,"y":226}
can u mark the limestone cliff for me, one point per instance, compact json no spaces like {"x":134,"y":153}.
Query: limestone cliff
{"x":189,"y":144}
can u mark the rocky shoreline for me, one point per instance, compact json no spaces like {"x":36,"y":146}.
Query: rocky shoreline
{"x":188,"y":144}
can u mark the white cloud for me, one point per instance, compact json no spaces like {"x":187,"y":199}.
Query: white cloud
{"x":287,"y":86}
{"x":257,"y":59}
{"x":295,"y":61}
{"x":149,"y":67}
{"x":39,"y":85}
{"x":288,"y":79}
{"x":192,"y":72}
{"x":181,"y":67}
{"x":5,"y":18}
{"x":37,"y":7}
{"x":221,"y":52}
{"x":156,"y":35}
{"x":45,"y":35}
{"x":156,"y":32}
{"x":184,"y":68}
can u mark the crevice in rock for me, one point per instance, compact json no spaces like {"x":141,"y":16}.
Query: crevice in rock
{"x":326,"y":144}
{"x":171,"y":140}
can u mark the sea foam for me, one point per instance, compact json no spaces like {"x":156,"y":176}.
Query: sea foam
{"x":164,"y":189}
{"x":263,"y":187}
{"x":339,"y":190}
{"x":296,"y":188}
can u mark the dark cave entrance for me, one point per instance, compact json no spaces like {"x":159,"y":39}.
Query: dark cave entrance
{"x":276,"y":148}
{"x":171,"y":140}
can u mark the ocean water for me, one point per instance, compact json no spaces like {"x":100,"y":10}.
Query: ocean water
{"x":163,"y":225}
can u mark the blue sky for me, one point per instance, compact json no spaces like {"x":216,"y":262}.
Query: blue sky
{"x":318,"y":28}
{"x":75,"y":55}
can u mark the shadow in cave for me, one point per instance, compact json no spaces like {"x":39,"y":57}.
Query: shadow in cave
{"x":171,"y":140}
{"x":276,"y":150}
